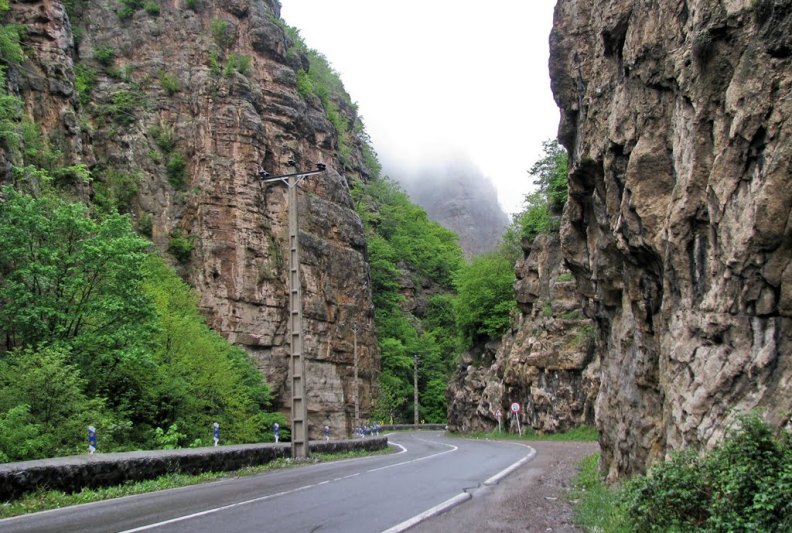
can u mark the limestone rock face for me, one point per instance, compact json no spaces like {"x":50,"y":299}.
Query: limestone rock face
{"x":678,"y":227}
{"x":171,"y":75}
{"x":548,"y":363}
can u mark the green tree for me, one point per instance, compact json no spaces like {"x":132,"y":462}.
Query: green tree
{"x":543,"y":207}
{"x":485,"y":297}
{"x":43,"y":393}
{"x":202,"y":378}
{"x":404,"y":244}
{"x":97,"y":330}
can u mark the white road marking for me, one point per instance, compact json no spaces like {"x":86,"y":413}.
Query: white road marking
{"x":271,"y":496}
{"x":437,"y":509}
{"x":453,"y":449}
{"x":461,"y":497}
{"x":511,"y":468}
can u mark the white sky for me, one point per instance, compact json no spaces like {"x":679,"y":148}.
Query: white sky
{"x":437,"y":78}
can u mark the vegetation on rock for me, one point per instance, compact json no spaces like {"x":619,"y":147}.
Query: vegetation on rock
{"x":96,"y":330}
{"x":405,"y":250}
{"x":741,"y":485}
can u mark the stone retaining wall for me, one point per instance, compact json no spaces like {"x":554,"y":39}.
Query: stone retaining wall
{"x":71,"y":474}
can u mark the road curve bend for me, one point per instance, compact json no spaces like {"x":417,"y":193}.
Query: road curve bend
{"x":429,"y":473}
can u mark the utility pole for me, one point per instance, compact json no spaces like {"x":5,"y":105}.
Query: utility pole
{"x":356,"y":395}
{"x":299,"y":404}
{"x":415,"y":390}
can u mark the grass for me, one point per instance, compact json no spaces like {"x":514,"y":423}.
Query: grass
{"x":53,"y":499}
{"x":582,"y":433}
{"x":596,"y":505}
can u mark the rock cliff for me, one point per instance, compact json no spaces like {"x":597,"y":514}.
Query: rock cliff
{"x":182,"y":103}
{"x":548,"y":362}
{"x":678,"y":227}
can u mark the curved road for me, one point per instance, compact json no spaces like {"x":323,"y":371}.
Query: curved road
{"x":374,"y":494}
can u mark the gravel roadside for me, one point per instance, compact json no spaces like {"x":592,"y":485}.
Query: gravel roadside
{"x":532,"y":498}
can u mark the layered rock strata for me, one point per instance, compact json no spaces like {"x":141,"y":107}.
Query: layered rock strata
{"x":678,"y":227}
{"x":191,"y":101}
{"x":548,"y":363}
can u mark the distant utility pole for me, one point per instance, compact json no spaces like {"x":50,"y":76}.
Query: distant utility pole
{"x":356,"y":394}
{"x":299,"y":404}
{"x":415,"y":390}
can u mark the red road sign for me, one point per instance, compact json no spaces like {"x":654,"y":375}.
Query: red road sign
{"x":515,"y":407}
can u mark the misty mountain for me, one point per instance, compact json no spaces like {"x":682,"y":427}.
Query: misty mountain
{"x":458,"y":196}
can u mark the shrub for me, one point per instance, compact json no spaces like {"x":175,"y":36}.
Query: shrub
{"x":105,"y":55}
{"x":743,"y":485}
{"x":84,"y":82}
{"x":222,"y":32}
{"x":180,"y":247}
{"x":165,"y":137}
{"x":152,"y":8}
{"x":145,"y":225}
{"x":194,"y":5}
{"x":122,"y":107}
{"x":116,"y":190}
{"x":128,"y":8}
{"x":169,"y":83}
{"x":237,"y":62}
{"x":177,"y":170}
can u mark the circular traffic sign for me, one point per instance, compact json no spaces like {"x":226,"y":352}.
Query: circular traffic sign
{"x":515,"y":407}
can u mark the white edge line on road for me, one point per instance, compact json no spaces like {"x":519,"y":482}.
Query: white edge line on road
{"x":509,"y":469}
{"x":217,"y":509}
{"x":453,"y":449}
{"x":436,"y":510}
{"x":268,"y":497}
{"x":459,"y":498}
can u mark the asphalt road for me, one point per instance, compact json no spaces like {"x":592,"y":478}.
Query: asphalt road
{"x":373,"y":494}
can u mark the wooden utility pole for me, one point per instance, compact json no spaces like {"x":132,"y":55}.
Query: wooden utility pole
{"x":356,"y":394}
{"x":415,"y":390}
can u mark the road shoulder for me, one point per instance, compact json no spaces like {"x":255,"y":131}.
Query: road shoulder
{"x":532,"y":498}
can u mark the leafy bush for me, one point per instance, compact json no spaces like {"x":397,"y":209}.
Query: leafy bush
{"x":542,"y":213}
{"x":10,"y":37}
{"x":169,"y":83}
{"x":743,"y":485}
{"x":239,"y":63}
{"x":180,"y":247}
{"x":222,"y":33}
{"x":146,"y":225}
{"x":177,"y":170}
{"x":122,"y":107}
{"x":116,"y":189}
{"x":165,"y":137}
{"x":128,"y":8}
{"x":84,"y":82}
{"x":152,"y":8}
{"x":104,"y":55}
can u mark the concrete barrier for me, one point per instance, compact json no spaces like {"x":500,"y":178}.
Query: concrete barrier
{"x":73,"y":473}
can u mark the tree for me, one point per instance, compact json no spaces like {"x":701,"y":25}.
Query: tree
{"x":98,"y":330}
{"x":42,"y":397}
{"x":544,"y":206}
{"x":486,"y":298}
{"x":404,"y":244}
